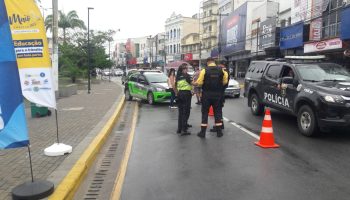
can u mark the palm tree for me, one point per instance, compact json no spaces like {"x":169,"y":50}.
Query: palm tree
{"x":69,"y":21}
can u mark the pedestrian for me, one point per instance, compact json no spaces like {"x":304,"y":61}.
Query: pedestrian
{"x":212,"y":79}
{"x":184,"y":95}
{"x":171,"y":85}
{"x":197,"y":90}
{"x":223,"y":66}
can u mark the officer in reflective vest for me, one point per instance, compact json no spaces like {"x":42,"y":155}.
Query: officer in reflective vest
{"x":183,"y":89}
{"x":212,"y":79}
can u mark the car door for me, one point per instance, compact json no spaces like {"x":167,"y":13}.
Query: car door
{"x":132,"y":85}
{"x":142,"y":86}
{"x":270,"y":85}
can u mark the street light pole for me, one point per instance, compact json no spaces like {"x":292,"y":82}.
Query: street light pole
{"x":89,"y":51}
{"x":257,"y":38}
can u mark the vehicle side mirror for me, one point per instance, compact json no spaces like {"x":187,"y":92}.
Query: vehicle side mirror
{"x":287,"y":80}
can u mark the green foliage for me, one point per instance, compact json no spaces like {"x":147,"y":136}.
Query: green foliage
{"x":65,"y":22}
{"x":73,"y":57}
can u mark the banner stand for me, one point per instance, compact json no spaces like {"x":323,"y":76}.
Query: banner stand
{"x":34,"y":189}
{"x":57,"y":149}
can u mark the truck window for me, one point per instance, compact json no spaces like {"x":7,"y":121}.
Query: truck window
{"x":274,"y":72}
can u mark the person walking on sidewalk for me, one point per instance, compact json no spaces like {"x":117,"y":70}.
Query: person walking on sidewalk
{"x":171,"y":85}
{"x":184,"y":95}
{"x":197,"y":90}
{"x":212,"y":79}
{"x":223,"y":66}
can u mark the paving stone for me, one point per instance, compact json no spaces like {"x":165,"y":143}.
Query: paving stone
{"x":74,"y":125}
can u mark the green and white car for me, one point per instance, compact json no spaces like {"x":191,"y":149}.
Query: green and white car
{"x":148,"y":85}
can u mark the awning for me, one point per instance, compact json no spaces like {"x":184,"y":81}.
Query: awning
{"x":176,"y":64}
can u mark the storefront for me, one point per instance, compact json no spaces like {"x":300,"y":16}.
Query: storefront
{"x":269,"y":38}
{"x":345,"y":35}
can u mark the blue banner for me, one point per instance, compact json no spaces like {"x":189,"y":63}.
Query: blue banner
{"x":233,"y":31}
{"x":345,"y":24}
{"x":292,"y":36}
{"x":13,"y":126}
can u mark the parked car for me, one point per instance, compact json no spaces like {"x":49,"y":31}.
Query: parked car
{"x":316,"y":92}
{"x":106,"y":73}
{"x":118,"y":73}
{"x":233,"y":89}
{"x":148,"y":85}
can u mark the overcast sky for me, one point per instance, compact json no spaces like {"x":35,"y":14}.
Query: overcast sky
{"x":134,"y":18}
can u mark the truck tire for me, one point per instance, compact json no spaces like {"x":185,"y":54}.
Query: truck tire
{"x":255,"y":106}
{"x":307,"y":122}
{"x":128,"y":95}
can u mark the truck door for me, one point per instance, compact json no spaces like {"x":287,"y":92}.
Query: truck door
{"x":289,"y":91}
{"x":270,"y":85}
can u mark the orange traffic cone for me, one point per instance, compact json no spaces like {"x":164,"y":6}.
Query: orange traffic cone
{"x":266,"y":136}
{"x":211,"y":111}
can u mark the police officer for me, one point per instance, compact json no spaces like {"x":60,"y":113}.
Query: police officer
{"x":183,"y":89}
{"x":212,"y":79}
{"x":223,"y":66}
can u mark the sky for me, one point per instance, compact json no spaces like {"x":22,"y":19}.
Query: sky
{"x":134,"y":18}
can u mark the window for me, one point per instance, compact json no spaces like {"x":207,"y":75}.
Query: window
{"x":133,"y":78}
{"x":174,"y":33}
{"x":174,"y":48}
{"x":210,"y":12}
{"x":274,"y":72}
{"x":171,"y":34}
{"x":210,"y":29}
{"x":142,"y":79}
{"x":331,"y":20}
{"x":283,"y":23}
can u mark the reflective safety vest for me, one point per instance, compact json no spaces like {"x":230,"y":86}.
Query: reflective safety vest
{"x":183,"y":85}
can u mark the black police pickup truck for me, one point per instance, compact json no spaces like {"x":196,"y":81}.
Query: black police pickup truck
{"x":318,"y":93}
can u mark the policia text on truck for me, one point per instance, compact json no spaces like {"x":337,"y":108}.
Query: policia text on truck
{"x":318,"y":93}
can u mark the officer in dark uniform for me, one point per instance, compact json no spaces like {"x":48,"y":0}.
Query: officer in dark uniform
{"x":212,"y":79}
{"x":183,"y":89}
{"x":222,"y":65}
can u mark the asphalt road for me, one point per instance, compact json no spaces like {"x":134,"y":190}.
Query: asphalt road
{"x":164,"y":165}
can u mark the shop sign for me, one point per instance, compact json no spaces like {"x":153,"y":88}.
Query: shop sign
{"x":323,"y":45}
{"x":345,"y":24}
{"x":268,"y":33}
{"x":316,"y":29}
{"x":188,"y":57}
{"x":292,"y":36}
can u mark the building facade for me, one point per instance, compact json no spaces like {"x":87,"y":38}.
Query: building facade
{"x":176,"y":27}
{"x":190,"y":45}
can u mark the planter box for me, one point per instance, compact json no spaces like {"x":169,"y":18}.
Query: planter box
{"x":68,"y":90}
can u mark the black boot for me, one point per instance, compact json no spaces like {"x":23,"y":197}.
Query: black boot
{"x":219,"y":131}
{"x":213,"y":130}
{"x":186,"y":132}
{"x":201,"y":134}
{"x":222,"y":127}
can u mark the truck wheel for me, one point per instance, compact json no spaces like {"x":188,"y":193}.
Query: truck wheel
{"x":150,"y":98}
{"x":128,"y":95}
{"x":255,"y":106}
{"x":307,"y":122}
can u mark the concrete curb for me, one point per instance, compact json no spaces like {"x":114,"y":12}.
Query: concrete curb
{"x":68,"y":186}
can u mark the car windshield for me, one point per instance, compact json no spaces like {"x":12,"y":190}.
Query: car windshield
{"x":323,"y":72}
{"x":156,"y":77}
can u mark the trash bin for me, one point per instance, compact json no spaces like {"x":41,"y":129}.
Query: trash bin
{"x":39,"y":111}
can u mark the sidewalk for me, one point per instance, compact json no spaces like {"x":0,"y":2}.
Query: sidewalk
{"x":77,"y":116}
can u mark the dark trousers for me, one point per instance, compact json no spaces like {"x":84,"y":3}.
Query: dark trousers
{"x":214,"y":100}
{"x":172,"y":98}
{"x":184,"y":106}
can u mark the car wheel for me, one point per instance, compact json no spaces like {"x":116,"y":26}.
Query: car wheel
{"x":150,"y":98}
{"x":128,"y":95}
{"x":307,"y":122}
{"x":237,"y":95}
{"x":255,"y":106}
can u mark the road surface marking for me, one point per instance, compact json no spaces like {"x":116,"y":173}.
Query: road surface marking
{"x":124,"y":163}
{"x":243,"y":129}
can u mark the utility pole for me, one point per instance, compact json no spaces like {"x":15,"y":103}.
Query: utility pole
{"x":257,"y":38}
{"x":89,"y":51}
{"x":109,"y":58}
{"x":55,"y":43}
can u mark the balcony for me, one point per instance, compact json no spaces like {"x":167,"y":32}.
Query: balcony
{"x":208,"y":3}
{"x":210,"y":19}
{"x":209,"y":35}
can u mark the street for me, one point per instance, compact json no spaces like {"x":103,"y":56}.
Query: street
{"x":164,"y":165}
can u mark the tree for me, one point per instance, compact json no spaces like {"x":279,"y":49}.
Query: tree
{"x":65,"y":22}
